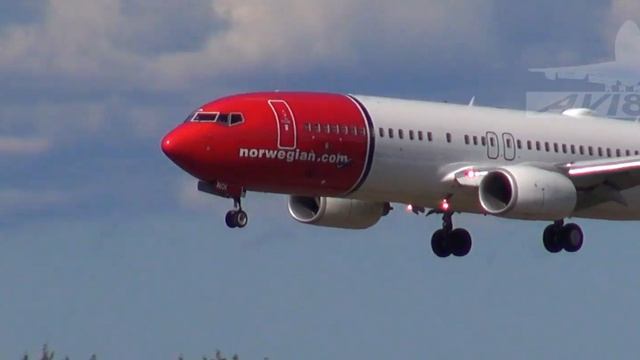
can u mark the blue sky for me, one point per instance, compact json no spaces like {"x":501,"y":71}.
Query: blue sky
{"x":106,"y":247}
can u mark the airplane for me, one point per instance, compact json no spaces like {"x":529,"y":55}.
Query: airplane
{"x":620,"y":75}
{"x":344,"y":159}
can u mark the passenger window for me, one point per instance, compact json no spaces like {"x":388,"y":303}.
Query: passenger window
{"x":475,"y":140}
{"x":546,"y":146}
{"x":618,"y":153}
{"x":466,"y":139}
{"x":600,"y":152}
{"x":492,"y":142}
{"x":564,"y":148}
{"x":519,"y":144}
{"x":529,"y":145}
{"x":483,"y":140}
{"x":581,"y":150}
{"x":637,"y":152}
{"x":448,"y":136}
{"x":430,"y":136}
{"x":381,"y":132}
{"x":608,"y":152}
{"x":401,"y":134}
{"x":538,"y":148}
{"x":420,"y":136}
{"x":555,"y":147}
{"x":390,"y":133}
{"x":628,"y":153}
{"x":573,"y":149}
{"x":411,"y":135}
{"x":508,"y":143}
{"x":206,"y":116}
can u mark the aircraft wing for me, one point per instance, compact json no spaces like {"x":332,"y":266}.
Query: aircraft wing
{"x":601,"y":181}
{"x":597,"y":181}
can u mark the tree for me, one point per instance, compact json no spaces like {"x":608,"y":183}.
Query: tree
{"x":46,"y":354}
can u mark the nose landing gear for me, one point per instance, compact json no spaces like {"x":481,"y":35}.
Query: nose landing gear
{"x":236,"y":218}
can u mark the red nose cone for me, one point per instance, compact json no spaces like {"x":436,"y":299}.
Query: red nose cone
{"x":168,"y":146}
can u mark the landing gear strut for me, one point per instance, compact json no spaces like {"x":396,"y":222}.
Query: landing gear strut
{"x":448,"y":241}
{"x":236,"y":218}
{"x":558,"y":237}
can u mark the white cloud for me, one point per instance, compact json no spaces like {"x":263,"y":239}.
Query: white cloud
{"x":22,"y":146}
{"x":191,"y":199}
{"x":83,"y":39}
{"x":623,"y":10}
{"x":19,"y":201}
{"x":290,"y":35}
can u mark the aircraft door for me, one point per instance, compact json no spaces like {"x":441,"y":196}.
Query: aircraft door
{"x":509,"y":146}
{"x":493,"y":146}
{"x":286,"y":123}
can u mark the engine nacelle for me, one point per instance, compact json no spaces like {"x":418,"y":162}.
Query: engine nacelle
{"x":335,"y":212}
{"x":525,"y":192}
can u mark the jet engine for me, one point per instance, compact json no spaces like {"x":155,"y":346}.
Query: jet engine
{"x":335,"y":212}
{"x":525,"y":192}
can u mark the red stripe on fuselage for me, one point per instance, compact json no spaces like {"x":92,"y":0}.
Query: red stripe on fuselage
{"x":294,"y":143}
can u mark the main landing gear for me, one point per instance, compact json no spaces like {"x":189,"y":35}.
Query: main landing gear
{"x":560,"y":236}
{"x":449,"y":241}
{"x":236,"y":218}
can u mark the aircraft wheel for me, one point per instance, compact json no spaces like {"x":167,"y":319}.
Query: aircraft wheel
{"x":230,"y":219}
{"x":241,"y":218}
{"x":460,"y":242}
{"x":571,"y":237}
{"x":440,"y":244}
{"x":551,"y":239}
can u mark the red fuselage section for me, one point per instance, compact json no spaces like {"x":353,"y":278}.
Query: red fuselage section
{"x":280,"y":142}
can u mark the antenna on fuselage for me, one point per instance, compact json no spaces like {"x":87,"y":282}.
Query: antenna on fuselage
{"x":472,"y":102}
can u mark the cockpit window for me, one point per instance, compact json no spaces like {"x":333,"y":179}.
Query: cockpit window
{"x":231,"y":119}
{"x":206,"y":116}
{"x":227,"y":119}
{"x":190,"y":117}
{"x":235,"y":118}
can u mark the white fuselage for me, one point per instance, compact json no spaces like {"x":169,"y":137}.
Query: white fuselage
{"x":413,"y":171}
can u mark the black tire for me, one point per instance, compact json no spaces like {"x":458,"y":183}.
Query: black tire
{"x":460,"y":242}
{"x":241,"y":219}
{"x":230,"y":219}
{"x":440,"y":244}
{"x":571,"y":237}
{"x":550,"y":239}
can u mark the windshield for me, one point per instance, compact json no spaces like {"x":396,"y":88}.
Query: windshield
{"x":227,"y":119}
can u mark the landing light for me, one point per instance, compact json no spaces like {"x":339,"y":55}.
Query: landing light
{"x":444,"y":205}
{"x":472,"y":173}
